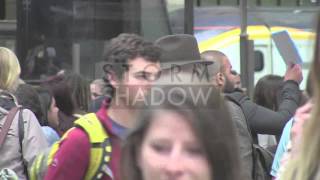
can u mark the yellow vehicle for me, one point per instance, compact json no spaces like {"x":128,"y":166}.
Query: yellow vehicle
{"x":229,"y":43}
{"x":219,"y":29}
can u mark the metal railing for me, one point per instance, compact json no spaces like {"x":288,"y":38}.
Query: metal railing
{"x":262,"y":2}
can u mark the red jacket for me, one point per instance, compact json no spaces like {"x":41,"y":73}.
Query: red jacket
{"x":72,"y":159}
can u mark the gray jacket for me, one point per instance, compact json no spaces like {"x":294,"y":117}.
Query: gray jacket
{"x":33,"y":143}
{"x":265,"y":121}
{"x":244,"y":139}
{"x":260,"y":119}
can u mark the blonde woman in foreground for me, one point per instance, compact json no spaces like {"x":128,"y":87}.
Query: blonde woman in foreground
{"x":304,"y":164}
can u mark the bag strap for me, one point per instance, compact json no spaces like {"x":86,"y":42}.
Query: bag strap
{"x":7,"y":124}
{"x":21,"y":128}
{"x":21,"y":137}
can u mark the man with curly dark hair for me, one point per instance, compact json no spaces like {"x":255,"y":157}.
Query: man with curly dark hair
{"x":91,"y":150}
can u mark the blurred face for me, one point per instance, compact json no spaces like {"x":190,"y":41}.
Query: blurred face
{"x":236,"y":79}
{"x":95,"y":91}
{"x":137,"y":81}
{"x":53,"y":119}
{"x":170,"y":151}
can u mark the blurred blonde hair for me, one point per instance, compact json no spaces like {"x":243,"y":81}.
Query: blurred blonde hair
{"x":9,"y":70}
{"x":305,"y":165}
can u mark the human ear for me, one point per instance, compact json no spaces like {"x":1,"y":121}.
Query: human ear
{"x":220,"y":79}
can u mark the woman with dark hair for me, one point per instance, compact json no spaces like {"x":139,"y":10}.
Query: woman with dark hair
{"x":266,"y":91}
{"x":42,"y":104}
{"x":80,"y":91}
{"x":64,"y":102}
{"x":266,"y":94}
{"x":50,"y":115}
{"x":182,"y":138}
{"x":28,"y":97}
{"x":61,"y":92}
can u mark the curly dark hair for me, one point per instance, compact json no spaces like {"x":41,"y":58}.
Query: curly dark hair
{"x":126,"y":47}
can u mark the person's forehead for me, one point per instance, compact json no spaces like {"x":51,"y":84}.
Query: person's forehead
{"x":94,"y":87}
{"x":141,"y":64}
{"x":161,"y":117}
{"x":226,"y":62}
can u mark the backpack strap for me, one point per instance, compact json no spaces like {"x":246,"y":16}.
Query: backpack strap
{"x":21,"y":127}
{"x":100,"y":151}
{"x":7,"y":124}
{"x":21,"y":137}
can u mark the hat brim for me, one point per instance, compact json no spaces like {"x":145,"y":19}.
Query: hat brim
{"x":184,"y":65}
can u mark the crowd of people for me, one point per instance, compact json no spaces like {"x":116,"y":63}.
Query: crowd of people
{"x":163,"y":110}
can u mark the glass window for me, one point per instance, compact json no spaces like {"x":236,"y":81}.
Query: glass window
{"x":71,"y":35}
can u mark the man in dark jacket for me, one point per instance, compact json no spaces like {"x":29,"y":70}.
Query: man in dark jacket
{"x":261,"y":120}
{"x":248,"y":116}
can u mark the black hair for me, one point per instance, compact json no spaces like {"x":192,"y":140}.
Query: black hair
{"x":62,"y":93}
{"x":28,"y":97}
{"x":266,"y":92}
{"x":45,"y":97}
{"x":80,"y":91}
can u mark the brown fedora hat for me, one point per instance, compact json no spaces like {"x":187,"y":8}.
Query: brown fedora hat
{"x":179,"y":50}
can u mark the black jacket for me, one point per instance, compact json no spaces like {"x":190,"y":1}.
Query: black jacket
{"x":263,"y":120}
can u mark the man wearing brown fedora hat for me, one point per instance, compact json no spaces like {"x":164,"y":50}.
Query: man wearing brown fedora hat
{"x":179,"y":53}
